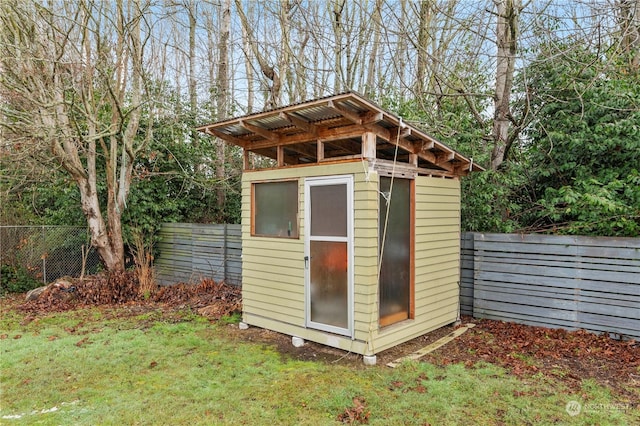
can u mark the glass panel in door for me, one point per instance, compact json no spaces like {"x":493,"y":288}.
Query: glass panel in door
{"x":329,"y":283}
{"x":329,"y":211}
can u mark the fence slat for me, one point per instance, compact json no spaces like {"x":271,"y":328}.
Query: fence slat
{"x":466,"y":274}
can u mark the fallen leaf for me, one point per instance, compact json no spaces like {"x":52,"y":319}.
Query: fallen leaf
{"x":395,"y":384}
{"x":83,"y":342}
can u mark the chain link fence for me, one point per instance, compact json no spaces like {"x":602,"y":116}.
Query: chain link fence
{"x":47,"y":253}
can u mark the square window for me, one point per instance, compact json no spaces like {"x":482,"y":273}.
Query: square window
{"x":275,"y":209}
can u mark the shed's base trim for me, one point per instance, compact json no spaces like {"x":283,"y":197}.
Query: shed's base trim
{"x":335,"y":341}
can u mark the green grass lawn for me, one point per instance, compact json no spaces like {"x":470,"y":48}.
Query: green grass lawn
{"x":91,"y":368}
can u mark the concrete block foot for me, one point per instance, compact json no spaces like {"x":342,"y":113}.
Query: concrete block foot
{"x":369,"y":359}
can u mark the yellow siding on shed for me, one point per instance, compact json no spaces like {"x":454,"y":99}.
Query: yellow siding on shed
{"x":437,"y":262}
{"x":365,"y":253}
{"x":273,"y":268}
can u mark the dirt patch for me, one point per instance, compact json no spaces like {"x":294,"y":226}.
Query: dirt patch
{"x":524,"y":351}
{"x":282,"y":343}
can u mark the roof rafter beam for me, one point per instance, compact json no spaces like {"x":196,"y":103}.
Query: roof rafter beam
{"x":304,"y":150}
{"x":409,"y":146}
{"x":414,"y":148}
{"x":274,"y":138}
{"x":323,"y":134}
{"x":353,"y":117}
{"x":399,"y":132}
{"x":300,"y":123}
{"x":226,"y":137}
{"x":444,"y":157}
{"x":427,"y":145}
{"x":362,"y":119}
{"x":463,"y":170}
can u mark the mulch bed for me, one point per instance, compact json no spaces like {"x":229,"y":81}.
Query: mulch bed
{"x":524,"y":351}
{"x":121,"y":289}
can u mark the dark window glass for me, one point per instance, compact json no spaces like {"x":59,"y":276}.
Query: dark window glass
{"x":328,"y":210}
{"x":395,"y":278}
{"x":275,"y":209}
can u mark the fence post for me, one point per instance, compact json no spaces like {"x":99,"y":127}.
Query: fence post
{"x":224,"y":253}
{"x":44,"y":256}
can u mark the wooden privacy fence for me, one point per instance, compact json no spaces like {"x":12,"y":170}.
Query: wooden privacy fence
{"x":189,"y":251}
{"x":553,"y":281}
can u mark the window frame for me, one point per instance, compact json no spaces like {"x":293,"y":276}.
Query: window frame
{"x":295,"y":234}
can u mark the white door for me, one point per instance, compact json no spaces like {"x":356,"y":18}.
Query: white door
{"x":329,"y":254}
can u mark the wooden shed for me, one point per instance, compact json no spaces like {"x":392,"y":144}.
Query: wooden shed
{"x":351,"y":232}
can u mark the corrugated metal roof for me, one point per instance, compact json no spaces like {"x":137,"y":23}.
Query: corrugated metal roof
{"x":332,"y":116}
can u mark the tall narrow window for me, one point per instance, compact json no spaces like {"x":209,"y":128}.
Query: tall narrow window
{"x":395,"y":232}
{"x":275,"y":209}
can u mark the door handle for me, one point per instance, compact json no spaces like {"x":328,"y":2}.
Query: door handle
{"x":306,"y":262}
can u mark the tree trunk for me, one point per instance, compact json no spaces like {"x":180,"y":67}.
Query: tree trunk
{"x":630,"y":28}
{"x":370,"y":86}
{"x":284,"y":62}
{"x":222,"y":102}
{"x":248,"y":56}
{"x":193,"y":94}
{"x":338,"y":8}
{"x":423,"y":49}
{"x":273,"y":92}
{"x":507,"y":33}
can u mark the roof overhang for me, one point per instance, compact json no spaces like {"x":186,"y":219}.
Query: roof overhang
{"x":338,"y":128}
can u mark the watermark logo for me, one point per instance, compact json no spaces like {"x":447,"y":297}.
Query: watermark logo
{"x":573,"y":408}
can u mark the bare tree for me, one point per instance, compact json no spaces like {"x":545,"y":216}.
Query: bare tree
{"x":73,"y":81}
{"x":268,"y":70}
